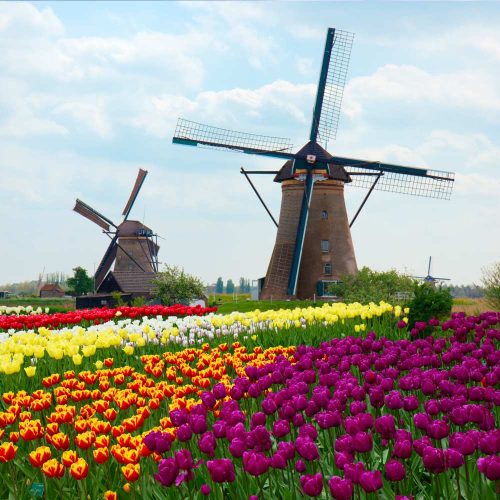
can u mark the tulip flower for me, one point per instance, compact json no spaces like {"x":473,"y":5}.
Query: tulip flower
{"x":79,"y":469}
{"x":221,"y":470}
{"x":312,"y":485}
{"x":7,"y":452}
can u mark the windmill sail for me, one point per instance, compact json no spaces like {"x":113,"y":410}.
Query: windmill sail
{"x":88,"y":212}
{"x":331,"y":85}
{"x":191,"y":133}
{"x":399,"y":179}
{"x":135,"y":191}
{"x":106,"y":262}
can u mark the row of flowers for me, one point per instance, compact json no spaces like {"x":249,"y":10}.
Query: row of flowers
{"x":22,"y":310}
{"x":94,"y":316}
{"x":26,"y":348}
{"x":348,"y":416}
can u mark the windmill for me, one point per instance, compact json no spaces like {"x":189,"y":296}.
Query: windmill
{"x":313,"y":243}
{"x":133,"y":247}
{"x":429,"y":278}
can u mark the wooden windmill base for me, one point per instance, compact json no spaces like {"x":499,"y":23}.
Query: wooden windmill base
{"x":320,"y":261}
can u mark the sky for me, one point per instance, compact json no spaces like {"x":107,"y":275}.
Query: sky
{"x":90,"y":92}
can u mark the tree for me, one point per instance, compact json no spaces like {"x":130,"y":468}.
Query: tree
{"x":229,"y":286}
{"x":243,"y":284}
{"x":173,"y":285}
{"x":219,"y":286}
{"x":491,"y":283}
{"x":429,"y":301}
{"x":80,"y":283}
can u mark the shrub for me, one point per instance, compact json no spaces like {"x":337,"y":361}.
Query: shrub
{"x":428,"y":302}
{"x":173,"y":285}
{"x":372,"y":286}
{"x":491,"y":283}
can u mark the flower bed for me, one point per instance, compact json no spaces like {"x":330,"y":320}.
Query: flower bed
{"x":95,"y":316}
{"x":21,"y":310}
{"x":345,"y":417}
{"x":20,"y":349}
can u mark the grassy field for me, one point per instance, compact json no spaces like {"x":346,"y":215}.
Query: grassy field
{"x":55,"y":304}
{"x":230,"y":303}
{"x":470,"y":306}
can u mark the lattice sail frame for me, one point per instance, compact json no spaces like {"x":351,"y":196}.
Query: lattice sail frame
{"x":435,"y":184}
{"x":215,"y":138}
{"x":334,"y":88}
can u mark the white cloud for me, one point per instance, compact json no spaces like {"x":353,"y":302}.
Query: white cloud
{"x":23,"y":122}
{"x":411,"y":85}
{"x":25,"y":17}
{"x":91,"y":114}
{"x":306,"y":66}
{"x":225,"y":106}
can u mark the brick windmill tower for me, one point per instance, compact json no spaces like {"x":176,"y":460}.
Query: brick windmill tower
{"x":133,"y":248}
{"x":313,"y":245}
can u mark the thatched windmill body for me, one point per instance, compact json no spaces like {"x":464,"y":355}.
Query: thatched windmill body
{"x":313,"y":243}
{"x":133,"y":247}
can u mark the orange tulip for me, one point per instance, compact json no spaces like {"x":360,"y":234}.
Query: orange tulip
{"x":69,"y":457}
{"x":126,"y":487}
{"x":60,"y":441}
{"x":31,"y":430}
{"x":79,"y":469}
{"x":52,"y":468}
{"x":108,"y":362}
{"x":7,"y":452}
{"x":102,"y":441}
{"x":110,"y":495}
{"x":101,"y":455}
{"x":109,"y":414}
{"x":84,"y":440}
{"x":131,"y":472}
{"x":14,"y":437}
{"x":39,"y":456}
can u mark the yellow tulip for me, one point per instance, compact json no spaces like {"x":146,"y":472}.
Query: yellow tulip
{"x":30,"y":371}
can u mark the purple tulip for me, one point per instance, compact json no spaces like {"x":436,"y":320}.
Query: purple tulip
{"x":281,"y":428}
{"x":184,"y":433}
{"x":167,"y":472}
{"x":306,"y":448}
{"x":278,"y":461}
{"x":178,"y":417}
{"x":255,"y":463}
{"x":362,"y":442}
{"x":208,"y":399}
{"x":402,"y":448}
{"x":300,"y":466}
{"x":287,"y":449}
{"x":353,"y":471}
{"x":386,"y":426}
{"x":454,"y":459}
{"x":438,"y":429}
{"x":312,"y":485}
{"x":490,"y":467}
{"x":341,"y":489}
{"x":207,"y":444}
{"x":395,"y":470}
{"x":434,"y":460}
{"x":371,"y":481}
{"x":221,"y":470}
{"x":237,"y":447}
{"x":184,"y":460}
{"x":205,"y":490}
{"x":219,"y":391}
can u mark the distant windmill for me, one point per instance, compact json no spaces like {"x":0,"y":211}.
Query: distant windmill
{"x":133,"y":247}
{"x":429,"y":278}
{"x":313,"y":244}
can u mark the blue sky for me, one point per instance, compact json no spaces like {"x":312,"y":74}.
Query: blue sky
{"x":90,"y":92}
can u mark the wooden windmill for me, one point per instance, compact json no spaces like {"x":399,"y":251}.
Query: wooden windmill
{"x":133,"y":247}
{"x":313,"y":244}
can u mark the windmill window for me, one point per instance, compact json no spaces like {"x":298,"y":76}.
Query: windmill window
{"x":327,"y":268}
{"x":325,"y":245}
{"x":324,"y":214}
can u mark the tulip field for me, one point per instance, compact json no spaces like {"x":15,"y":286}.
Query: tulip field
{"x":339,"y":401}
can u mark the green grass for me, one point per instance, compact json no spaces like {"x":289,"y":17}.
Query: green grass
{"x":55,"y":304}
{"x":264,"y":305}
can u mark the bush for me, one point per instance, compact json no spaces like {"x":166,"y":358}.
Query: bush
{"x":173,"y":285}
{"x":491,"y":283}
{"x":372,"y":286}
{"x":428,"y":302}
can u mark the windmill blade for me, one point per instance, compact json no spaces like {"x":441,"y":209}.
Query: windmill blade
{"x":301,"y":232}
{"x":441,"y":279}
{"x":331,"y":85}
{"x":88,"y":212}
{"x":429,"y":268}
{"x":399,"y":179}
{"x":190,"y":133}
{"x":106,"y":262}
{"x":135,"y":191}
